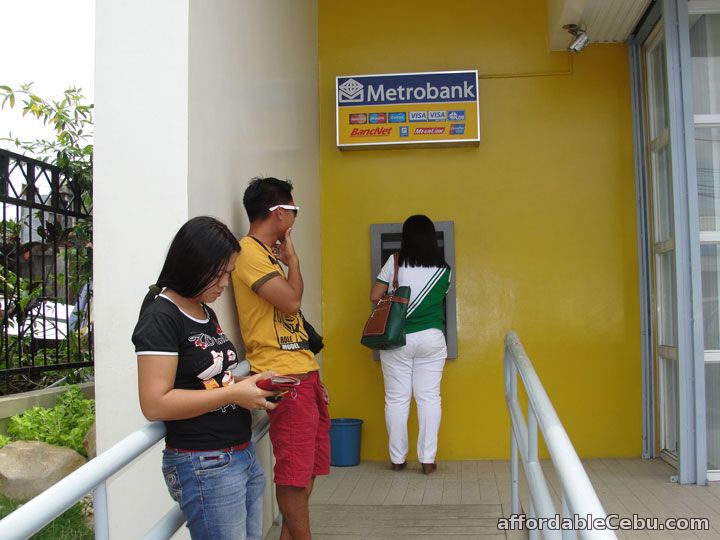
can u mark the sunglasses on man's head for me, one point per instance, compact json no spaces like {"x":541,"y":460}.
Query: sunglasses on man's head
{"x":285,"y":207}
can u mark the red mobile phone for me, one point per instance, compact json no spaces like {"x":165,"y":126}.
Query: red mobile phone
{"x":278,"y":382}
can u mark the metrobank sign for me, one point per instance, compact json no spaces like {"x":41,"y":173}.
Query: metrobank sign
{"x":407,"y":108}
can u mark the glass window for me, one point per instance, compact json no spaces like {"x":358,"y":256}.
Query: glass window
{"x":664,"y":219}
{"x":658,"y":98}
{"x":707,"y":149}
{"x":669,"y":403}
{"x":710,"y":256}
{"x":705,"y":53}
{"x":667,"y":312}
{"x":712,"y":410}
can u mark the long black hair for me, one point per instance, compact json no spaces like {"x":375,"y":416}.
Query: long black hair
{"x":198,"y":254}
{"x":419,"y":245}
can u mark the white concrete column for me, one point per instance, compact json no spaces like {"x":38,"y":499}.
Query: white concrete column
{"x":192,"y":100}
{"x":140,"y":200}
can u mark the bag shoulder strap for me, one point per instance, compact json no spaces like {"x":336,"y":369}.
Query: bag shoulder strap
{"x":396,"y":256}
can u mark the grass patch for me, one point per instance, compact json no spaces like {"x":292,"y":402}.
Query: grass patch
{"x":69,"y":526}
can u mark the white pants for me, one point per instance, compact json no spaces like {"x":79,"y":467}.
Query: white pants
{"x":415,"y":369}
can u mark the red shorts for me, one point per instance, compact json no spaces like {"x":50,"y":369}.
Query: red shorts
{"x":300,"y":434}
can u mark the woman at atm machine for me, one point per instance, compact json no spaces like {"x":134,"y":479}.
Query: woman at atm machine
{"x":416,"y":368}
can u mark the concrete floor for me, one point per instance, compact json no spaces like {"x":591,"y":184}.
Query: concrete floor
{"x":464,"y":499}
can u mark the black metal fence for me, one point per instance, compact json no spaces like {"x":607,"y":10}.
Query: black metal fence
{"x":45,"y":273}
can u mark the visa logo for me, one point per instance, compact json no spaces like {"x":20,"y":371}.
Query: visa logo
{"x":418,"y":116}
{"x":454,"y":116}
{"x":398,"y":117}
{"x":457,"y":129}
{"x":437,"y":116}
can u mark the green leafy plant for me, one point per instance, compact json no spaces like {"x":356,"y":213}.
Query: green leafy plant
{"x":65,"y":424}
{"x":4,"y":440}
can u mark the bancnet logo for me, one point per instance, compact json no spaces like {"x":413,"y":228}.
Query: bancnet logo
{"x":351,"y":91}
{"x":371,"y":132}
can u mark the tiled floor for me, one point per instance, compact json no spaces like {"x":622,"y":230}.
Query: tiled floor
{"x":625,"y":487}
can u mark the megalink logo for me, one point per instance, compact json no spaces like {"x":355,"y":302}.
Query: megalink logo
{"x":418,"y":116}
{"x":455,"y":116}
{"x":437,"y":116}
{"x":378,"y":118}
{"x":358,"y":118}
{"x":404,"y":131}
{"x":429,"y":131}
{"x":457,"y":129}
{"x":398,"y":117}
{"x":351,"y":91}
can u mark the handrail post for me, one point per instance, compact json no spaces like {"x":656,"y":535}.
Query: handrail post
{"x":578,"y":494}
{"x":511,"y":385}
{"x":532,"y":457}
{"x":514,"y":486}
{"x":100,"y":512}
{"x":532,"y":453}
{"x":532,"y":533}
{"x":567,"y":534}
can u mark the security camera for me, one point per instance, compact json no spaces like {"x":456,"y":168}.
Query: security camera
{"x":579,"y":43}
{"x":580,"y":39}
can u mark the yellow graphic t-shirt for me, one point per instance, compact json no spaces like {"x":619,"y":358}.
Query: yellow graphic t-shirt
{"x":273,"y":340}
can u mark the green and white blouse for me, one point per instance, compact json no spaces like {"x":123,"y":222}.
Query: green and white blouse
{"x":428,"y":287}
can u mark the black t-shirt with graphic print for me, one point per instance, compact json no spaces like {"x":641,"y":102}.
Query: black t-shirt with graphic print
{"x":205,"y":358}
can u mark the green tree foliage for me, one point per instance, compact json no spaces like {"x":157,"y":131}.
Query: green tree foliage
{"x":71,"y":150}
{"x":72,"y":120}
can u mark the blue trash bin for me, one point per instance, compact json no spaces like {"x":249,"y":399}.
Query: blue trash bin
{"x":345,"y":441}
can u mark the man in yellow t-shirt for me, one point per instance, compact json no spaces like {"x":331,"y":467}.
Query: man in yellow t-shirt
{"x":268,"y":303}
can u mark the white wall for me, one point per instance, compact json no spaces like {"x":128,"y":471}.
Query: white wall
{"x":254,"y":110}
{"x":193,"y":98}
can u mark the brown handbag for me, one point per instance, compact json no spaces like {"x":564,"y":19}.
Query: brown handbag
{"x":385,"y":328}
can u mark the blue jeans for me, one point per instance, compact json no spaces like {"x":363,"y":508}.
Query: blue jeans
{"x":219,"y":492}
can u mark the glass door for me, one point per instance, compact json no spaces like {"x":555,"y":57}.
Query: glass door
{"x":705,"y":54}
{"x":662,"y":242}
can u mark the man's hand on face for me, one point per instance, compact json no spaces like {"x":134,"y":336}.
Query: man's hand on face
{"x":285,"y":251}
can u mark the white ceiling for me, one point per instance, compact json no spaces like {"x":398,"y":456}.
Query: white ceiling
{"x":605,"y":21}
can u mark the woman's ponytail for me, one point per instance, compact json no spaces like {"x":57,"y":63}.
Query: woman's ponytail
{"x":153,"y":291}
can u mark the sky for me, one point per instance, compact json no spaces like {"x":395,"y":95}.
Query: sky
{"x":50,"y":43}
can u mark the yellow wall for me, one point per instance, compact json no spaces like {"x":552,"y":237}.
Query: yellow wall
{"x":544,"y":218}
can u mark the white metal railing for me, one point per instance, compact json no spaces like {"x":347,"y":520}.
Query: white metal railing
{"x":91,"y":477}
{"x":578,"y":496}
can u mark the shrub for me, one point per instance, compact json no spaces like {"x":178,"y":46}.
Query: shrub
{"x":65,"y":424}
{"x":4,"y":439}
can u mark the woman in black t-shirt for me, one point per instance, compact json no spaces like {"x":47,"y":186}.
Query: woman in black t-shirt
{"x":185,"y":379}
